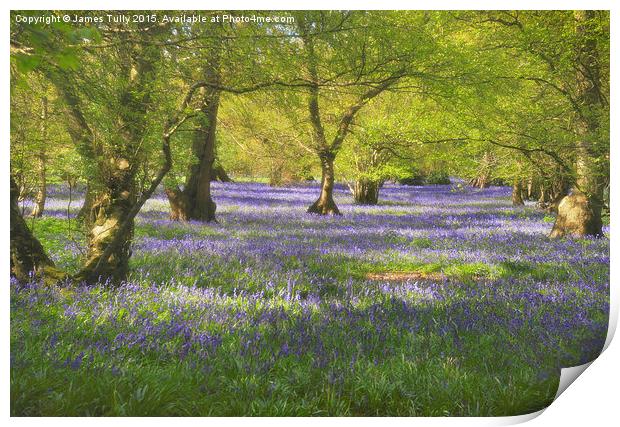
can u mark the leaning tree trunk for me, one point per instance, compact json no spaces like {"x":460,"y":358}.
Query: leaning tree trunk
{"x":197,"y":203}
{"x":517,"y":197}
{"x":116,"y":208}
{"x":325,"y":204}
{"x":579,"y":213}
{"x":27,"y":254}
{"x":39,"y":200}
{"x":366,"y":192}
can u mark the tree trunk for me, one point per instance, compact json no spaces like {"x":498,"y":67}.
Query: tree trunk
{"x":325,"y":204}
{"x":579,"y":213}
{"x":27,"y":254}
{"x":219,"y":174}
{"x":483,"y":180}
{"x":109,"y":210}
{"x":196,"y":202}
{"x":179,"y":204}
{"x":517,"y":198}
{"x":39,"y":199}
{"x":366,"y":192}
{"x":84,"y":214}
{"x":115,"y":210}
{"x":577,"y":216}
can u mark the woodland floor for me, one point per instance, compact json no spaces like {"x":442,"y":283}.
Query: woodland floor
{"x":441,"y":300}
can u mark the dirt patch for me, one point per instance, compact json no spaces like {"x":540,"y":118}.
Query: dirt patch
{"x":403,"y":276}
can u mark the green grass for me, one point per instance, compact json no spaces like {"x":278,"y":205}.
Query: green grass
{"x":422,"y":377}
{"x":428,"y":367}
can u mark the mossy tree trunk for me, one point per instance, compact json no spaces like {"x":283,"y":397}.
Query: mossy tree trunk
{"x":113,"y":166}
{"x":109,"y":210}
{"x":112,"y":182}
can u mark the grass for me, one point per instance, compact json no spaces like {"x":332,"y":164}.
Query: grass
{"x":421,"y":378}
{"x":246,"y":317}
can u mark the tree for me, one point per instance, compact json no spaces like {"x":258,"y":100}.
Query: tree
{"x":562,"y":79}
{"x":27,"y":254}
{"x":116,"y":163}
{"x":110,"y":129}
{"x":194,"y":201}
{"x":349,"y":59}
{"x":579,"y":213}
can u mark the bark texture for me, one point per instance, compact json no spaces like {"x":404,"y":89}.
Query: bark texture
{"x":115,"y":200}
{"x":517,"y":193}
{"x":325,"y":204}
{"x":194,"y":202}
{"x":28,"y":258}
{"x":577,"y":217}
{"x":366,"y":192}
{"x":109,"y":211}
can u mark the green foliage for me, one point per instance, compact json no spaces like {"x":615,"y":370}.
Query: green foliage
{"x":462,"y":96}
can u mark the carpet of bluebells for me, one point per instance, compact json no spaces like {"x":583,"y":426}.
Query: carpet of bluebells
{"x":272,"y":311}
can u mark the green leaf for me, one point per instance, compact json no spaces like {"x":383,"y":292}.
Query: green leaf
{"x":68,"y":61}
{"x":26,"y":63}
